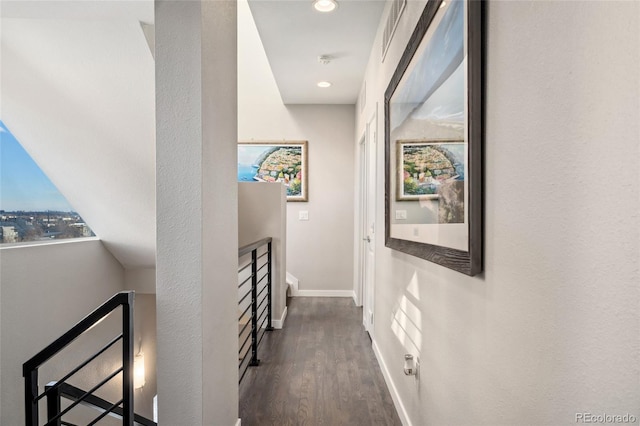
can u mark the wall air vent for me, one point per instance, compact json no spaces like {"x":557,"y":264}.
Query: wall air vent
{"x":397,"y":7}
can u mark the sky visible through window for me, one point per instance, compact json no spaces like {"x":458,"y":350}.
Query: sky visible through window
{"x":31,"y":207}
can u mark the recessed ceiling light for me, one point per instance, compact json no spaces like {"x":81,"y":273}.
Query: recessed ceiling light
{"x":325,"y":5}
{"x":324,"y":84}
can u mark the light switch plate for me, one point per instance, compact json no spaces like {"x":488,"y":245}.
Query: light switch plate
{"x":303,"y":215}
{"x":401,"y":215}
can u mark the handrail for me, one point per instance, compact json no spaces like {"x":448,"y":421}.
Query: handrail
{"x":250,"y":247}
{"x":123,"y":297}
{"x":74,"y":394}
{"x":30,"y":368}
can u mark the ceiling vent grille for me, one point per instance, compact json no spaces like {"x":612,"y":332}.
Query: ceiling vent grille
{"x":397,"y":7}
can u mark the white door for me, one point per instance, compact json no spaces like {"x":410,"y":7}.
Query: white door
{"x":368,"y":222}
{"x":362,"y":218}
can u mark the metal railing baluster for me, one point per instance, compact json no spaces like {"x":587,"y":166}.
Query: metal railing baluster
{"x":254,"y":310}
{"x":54,"y":405}
{"x":30,"y":395}
{"x":261,"y":295}
{"x":269,"y":327}
{"x":127,"y":364}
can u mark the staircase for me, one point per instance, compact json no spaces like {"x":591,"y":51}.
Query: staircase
{"x":54,"y":392}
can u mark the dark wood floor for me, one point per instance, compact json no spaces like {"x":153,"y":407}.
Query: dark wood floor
{"x":318,"y":370}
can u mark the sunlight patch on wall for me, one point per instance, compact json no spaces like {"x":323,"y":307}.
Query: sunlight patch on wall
{"x":405,"y":324}
{"x":413,"y":288}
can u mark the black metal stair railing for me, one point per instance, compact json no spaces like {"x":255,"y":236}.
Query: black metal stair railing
{"x":254,"y":305}
{"x":72,"y":393}
{"x":55,"y":390}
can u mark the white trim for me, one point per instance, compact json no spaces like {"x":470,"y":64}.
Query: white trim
{"x":370,"y":230}
{"x":293,"y":283}
{"x":155,"y":408}
{"x":325,"y":293}
{"x":7,"y":246}
{"x":238,"y":422}
{"x":358,"y":244}
{"x":279,"y":323}
{"x":355,"y":301}
{"x":402,"y":412}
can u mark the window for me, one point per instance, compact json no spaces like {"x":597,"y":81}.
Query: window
{"x":31,"y":207}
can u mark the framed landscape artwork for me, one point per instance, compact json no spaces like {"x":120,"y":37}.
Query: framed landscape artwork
{"x":433,"y":139}
{"x":426,"y":168}
{"x":284,"y":162}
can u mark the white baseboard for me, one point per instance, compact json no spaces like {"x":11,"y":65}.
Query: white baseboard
{"x":279,"y":323}
{"x":355,"y":299}
{"x":402,"y":412}
{"x":323,"y":293}
{"x":238,"y":422}
{"x":295,"y":291}
{"x":293,"y":283}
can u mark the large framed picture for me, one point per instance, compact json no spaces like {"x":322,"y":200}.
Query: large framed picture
{"x":433,"y":139}
{"x":284,"y":162}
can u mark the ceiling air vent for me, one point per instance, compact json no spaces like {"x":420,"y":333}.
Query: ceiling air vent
{"x":397,"y":7}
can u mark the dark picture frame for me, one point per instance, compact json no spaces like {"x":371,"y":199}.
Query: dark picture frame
{"x":267,"y":161}
{"x":441,"y":69}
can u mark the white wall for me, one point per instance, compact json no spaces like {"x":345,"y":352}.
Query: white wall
{"x":321,"y":260}
{"x":551,"y":328}
{"x":262,"y":213}
{"x":145,"y":342}
{"x":46,"y":289}
{"x":141,"y":280}
{"x":78,"y":88}
{"x":197,"y":212}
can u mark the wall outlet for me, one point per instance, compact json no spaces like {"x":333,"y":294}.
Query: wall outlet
{"x":401,"y":215}
{"x":303,"y":215}
{"x":416,"y":232}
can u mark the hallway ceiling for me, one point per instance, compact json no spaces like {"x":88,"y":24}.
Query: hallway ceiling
{"x":294,"y":35}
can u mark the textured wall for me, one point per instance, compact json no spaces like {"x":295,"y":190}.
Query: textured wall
{"x":196,"y":290}
{"x":551,"y":328}
{"x":178,"y":213}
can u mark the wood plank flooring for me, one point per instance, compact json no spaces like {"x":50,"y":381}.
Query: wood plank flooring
{"x":318,"y":370}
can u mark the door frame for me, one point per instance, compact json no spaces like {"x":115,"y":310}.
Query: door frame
{"x":360,"y":220}
{"x":367,"y":215}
